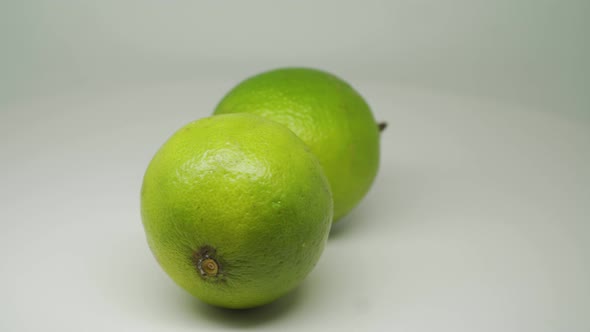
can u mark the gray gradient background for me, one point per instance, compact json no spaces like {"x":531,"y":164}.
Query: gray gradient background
{"x":479,"y":219}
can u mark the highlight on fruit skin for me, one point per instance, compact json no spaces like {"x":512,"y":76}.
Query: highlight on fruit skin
{"x":328,"y":114}
{"x":236,"y":210}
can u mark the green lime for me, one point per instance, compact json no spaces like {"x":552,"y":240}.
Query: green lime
{"x":236,"y":209}
{"x":327,"y":114}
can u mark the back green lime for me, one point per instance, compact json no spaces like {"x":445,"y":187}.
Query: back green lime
{"x":327,"y":114}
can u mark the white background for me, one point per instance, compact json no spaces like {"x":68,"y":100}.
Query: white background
{"x":479,"y":219}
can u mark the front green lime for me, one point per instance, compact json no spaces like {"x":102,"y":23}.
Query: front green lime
{"x":236,"y":209}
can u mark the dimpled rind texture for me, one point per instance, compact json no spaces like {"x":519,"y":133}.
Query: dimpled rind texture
{"x":327,"y":114}
{"x":247,"y":187}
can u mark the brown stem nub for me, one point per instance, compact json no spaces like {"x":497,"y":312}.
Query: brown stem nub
{"x":382,"y":126}
{"x":208,"y":267}
{"x":207,"y":264}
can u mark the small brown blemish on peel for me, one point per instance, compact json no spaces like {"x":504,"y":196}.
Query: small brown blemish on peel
{"x":382,"y":126}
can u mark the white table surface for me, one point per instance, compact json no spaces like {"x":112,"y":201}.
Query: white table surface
{"x":479,"y":219}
